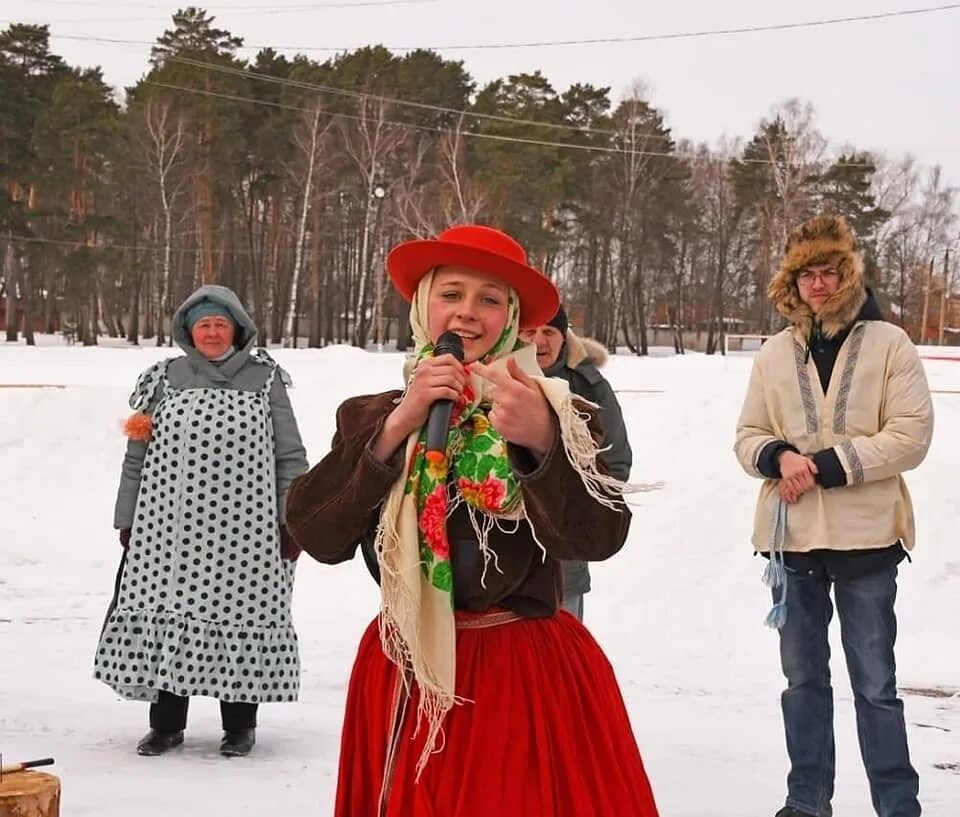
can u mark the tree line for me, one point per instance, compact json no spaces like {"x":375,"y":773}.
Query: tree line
{"x":288,"y":179}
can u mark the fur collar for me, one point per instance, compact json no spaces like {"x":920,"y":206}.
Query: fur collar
{"x":580,"y":349}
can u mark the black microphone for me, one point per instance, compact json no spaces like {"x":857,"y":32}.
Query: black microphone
{"x":438,"y":421}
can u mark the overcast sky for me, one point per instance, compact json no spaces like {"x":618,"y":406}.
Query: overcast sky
{"x":891,"y":85}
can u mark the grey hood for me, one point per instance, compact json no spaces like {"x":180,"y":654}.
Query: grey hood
{"x":244,"y":341}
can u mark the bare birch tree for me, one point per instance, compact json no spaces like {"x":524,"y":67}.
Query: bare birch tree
{"x":162,"y":137}
{"x":310,"y":142}
{"x":370,"y":141}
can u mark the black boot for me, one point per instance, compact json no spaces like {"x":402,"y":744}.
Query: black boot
{"x":790,"y":811}
{"x":238,"y":743}
{"x":157,"y":742}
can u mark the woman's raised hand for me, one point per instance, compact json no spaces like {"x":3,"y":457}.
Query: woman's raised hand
{"x":519,"y":410}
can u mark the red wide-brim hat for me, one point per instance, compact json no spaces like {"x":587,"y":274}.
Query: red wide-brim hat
{"x":483,"y":250}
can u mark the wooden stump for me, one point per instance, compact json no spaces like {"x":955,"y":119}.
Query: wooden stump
{"x":30,"y":794}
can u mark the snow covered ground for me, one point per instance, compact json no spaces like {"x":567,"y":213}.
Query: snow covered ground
{"x":679,"y":611}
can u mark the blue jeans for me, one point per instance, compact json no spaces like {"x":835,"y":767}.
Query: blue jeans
{"x":868,"y":628}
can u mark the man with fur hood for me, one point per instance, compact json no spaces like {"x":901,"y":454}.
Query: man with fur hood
{"x":561,"y":353}
{"x":837,"y":409}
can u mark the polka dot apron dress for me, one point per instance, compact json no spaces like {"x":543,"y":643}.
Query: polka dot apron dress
{"x":203,"y":606}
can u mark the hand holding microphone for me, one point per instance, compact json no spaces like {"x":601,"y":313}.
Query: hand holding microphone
{"x":440,"y":378}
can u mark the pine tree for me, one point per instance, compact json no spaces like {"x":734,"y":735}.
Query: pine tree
{"x":179,"y":62}
{"x":846,"y":189}
{"x":28,"y":71}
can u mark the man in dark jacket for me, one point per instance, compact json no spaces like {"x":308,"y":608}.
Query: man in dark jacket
{"x":561,"y":353}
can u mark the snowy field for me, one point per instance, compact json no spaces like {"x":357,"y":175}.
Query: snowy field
{"x":679,"y":610}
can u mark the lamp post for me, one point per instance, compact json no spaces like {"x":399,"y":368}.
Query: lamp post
{"x":379,"y":193}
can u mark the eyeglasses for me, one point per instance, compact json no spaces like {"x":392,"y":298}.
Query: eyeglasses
{"x":827,"y":275}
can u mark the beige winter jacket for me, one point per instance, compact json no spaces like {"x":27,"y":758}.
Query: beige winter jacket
{"x":876,"y":414}
{"x":874,"y":422}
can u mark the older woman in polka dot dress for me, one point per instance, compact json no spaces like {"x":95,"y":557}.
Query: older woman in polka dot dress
{"x":202,"y":604}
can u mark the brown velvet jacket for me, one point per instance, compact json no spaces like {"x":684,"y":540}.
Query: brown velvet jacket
{"x":334,"y":508}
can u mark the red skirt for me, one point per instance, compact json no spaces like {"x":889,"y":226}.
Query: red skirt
{"x":544,"y":734}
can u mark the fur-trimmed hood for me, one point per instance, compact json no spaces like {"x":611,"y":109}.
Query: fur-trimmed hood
{"x":580,"y":349}
{"x":821,"y":239}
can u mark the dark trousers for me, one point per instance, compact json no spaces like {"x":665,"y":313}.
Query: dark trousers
{"x":868,"y":629}
{"x":169,"y":714}
{"x":573,"y":604}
